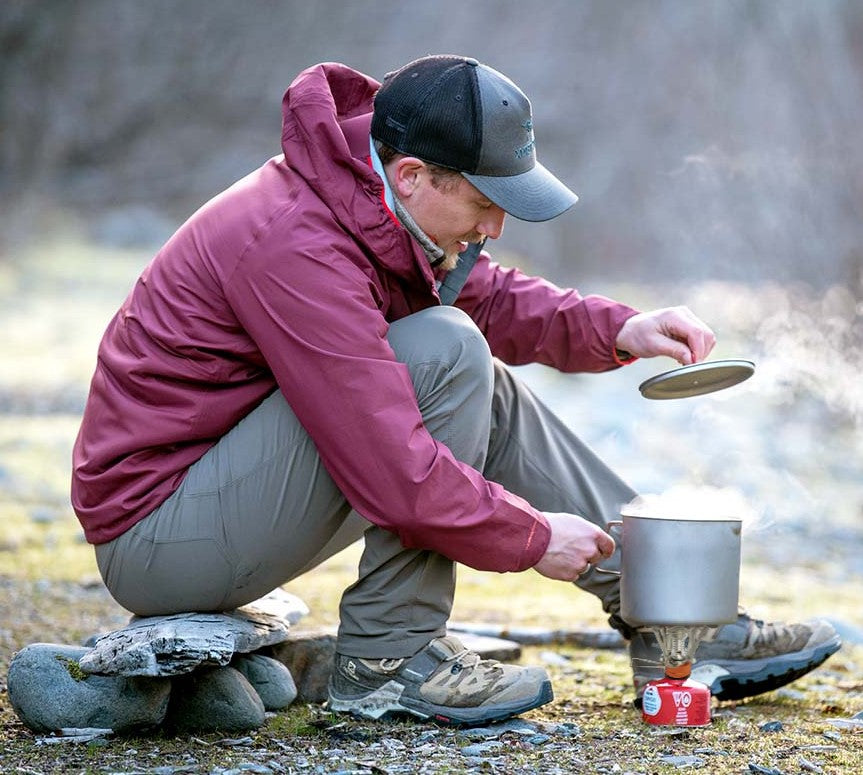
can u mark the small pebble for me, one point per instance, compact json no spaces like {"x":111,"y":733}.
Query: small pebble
{"x":846,"y":723}
{"x":478,"y":749}
{"x":682,"y":761}
{"x":258,"y":769}
{"x":772,"y":726}
{"x":518,"y":726}
{"x":566,"y":729}
{"x":809,"y":766}
{"x":537,"y":739}
{"x":757,"y":768}
{"x":553,"y":658}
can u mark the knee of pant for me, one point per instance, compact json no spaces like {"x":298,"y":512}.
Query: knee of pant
{"x":464,"y":349}
{"x":442,"y":344}
{"x":442,"y":334}
{"x":451,"y":331}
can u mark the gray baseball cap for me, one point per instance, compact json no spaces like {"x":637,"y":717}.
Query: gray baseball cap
{"x":458,"y":113}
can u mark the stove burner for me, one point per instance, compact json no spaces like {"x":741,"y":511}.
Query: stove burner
{"x":677,"y":700}
{"x":678,"y":642}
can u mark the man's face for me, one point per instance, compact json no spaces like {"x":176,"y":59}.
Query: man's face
{"x":451,"y":212}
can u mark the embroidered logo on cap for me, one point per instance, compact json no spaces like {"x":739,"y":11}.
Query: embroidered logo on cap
{"x":526,"y":150}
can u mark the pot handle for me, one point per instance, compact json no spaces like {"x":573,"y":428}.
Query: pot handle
{"x":611,"y":525}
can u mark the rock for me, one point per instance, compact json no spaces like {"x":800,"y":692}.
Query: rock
{"x":309,"y":658}
{"x":537,"y":739}
{"x":489,"y":647}
{"x":269,"y":678}
{"x":479,"y":749}
{"x":808,"y":766}
{"x":588,"y":637}
{"x":214,"y":700}
{"x":178,"y":644}
{"x":514,"y":725}
{"x":855,"y":722}
{"x":681,"y":761}
{"x":772,"y":726}
{"x":75,"y":735}
{"x":761,"y":770}
{"x":553,"y":658}
{"x":49,"y":691}
{"x":280,"y":604}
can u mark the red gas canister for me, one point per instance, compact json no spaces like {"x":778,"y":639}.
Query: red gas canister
{"x":676,"y":700}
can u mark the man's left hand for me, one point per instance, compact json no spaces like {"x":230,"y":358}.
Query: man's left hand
{"x":673,"y":331}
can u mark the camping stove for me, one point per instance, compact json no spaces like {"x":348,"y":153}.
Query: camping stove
{"x":679,"y":578}
{"x":676,"y":699}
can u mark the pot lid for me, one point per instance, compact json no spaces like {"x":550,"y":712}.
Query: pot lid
{"x":697,"y":379}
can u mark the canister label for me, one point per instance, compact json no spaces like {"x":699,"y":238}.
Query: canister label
{"x":651,"y":702}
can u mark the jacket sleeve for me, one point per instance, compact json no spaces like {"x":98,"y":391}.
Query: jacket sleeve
{"x":324,"y":337}
{"x":530,"y":320}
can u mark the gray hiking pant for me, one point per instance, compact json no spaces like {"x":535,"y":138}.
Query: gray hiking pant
{"x":259,"y":509}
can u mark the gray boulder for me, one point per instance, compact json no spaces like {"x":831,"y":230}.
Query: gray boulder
{"x":308,"y":656}
{"x":269,"y":678}
{"x":214,"y":700}
{"x":49,"y":691}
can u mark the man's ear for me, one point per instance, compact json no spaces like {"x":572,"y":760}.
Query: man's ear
{"x":407,"y":173}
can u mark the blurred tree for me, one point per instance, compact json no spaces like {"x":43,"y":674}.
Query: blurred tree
{"x":711,"y":139}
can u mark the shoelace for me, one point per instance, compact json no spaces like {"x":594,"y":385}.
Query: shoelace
{"x":464,"y":658}
{"x":470,"y":659}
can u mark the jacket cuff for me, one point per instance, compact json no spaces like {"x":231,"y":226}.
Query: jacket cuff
{"x":623,"y":358}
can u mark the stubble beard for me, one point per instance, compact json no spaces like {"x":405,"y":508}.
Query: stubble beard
{"x":450,"y":260}
{"x":451,"y":255}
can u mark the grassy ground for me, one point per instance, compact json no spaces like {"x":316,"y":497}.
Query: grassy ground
{"x":55,"y":302}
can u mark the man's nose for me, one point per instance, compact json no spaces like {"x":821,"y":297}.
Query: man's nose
{"x":492,"y":222}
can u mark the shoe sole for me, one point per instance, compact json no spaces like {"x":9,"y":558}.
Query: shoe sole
{"x":767,"y":674}
{"x":389,"y":700}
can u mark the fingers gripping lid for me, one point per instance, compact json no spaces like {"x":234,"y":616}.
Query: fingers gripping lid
{"x":457,"y":113}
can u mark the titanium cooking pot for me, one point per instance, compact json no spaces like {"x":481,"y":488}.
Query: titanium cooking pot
{"x":678,"y":571}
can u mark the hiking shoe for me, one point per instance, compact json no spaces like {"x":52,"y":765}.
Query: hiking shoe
{"x":744,"y":658}
{"x":445,"y":682}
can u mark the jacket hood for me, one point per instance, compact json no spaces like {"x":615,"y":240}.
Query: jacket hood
{"x":326,"y":115}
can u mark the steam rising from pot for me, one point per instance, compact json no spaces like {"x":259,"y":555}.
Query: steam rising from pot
{"x":694,"y":503}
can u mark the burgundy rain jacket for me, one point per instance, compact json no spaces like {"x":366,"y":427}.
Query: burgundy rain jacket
{"x":288,"y":280}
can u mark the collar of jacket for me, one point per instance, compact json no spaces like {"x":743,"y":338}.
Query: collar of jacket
{"x":434,"y":252}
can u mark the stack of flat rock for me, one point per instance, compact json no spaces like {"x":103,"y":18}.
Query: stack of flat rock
{"x":187,"y":672}
{"x":193,"y":672}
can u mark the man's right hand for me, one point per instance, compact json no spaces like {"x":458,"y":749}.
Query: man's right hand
{"x":575,"y":545}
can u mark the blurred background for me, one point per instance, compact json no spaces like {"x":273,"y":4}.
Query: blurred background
{"x":715,"y":139}
{"x":715,"y":146}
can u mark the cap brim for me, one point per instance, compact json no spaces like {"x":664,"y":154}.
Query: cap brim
{"x":535,"y":195}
